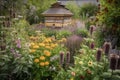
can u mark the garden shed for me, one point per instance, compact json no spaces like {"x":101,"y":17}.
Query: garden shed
{"x":57,"y":15}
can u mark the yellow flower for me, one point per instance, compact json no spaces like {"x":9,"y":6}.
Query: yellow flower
{"x":64,"y":39}
{"x":82,"y":51}
{"x":46,"y":63}
{"x":47,"y":53}
{"x":48,"y":47}
{"x":49,"y":40}
{"x":42,"y":63}
{"x":31,"y":44}
{"x":31,"y":37}
{"x":32,"y":50}
{"x":59,"y":41}
{"x":45,"y":41}
{"x":42,"y":58}
{"x":72,"y":79}
{"x":56,"y":44}
{"x":36,"y":60}
{"x":47,"y":44}
{"x":35,"y":46}
{"x":52,"y":45}
{"x":41,"y":44}
{"x":80,"y":62}
{"x":90,"y":63}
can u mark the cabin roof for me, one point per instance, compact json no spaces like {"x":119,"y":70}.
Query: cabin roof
{"x":57,"y":9}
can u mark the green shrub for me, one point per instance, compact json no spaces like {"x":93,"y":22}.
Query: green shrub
{"x":88,"y":10}
{"x":49,"y":32}
{"x":100,"y":37}
{"x":82,"y":32}
{"x":63,"y":34}
{"x":74,"y":8}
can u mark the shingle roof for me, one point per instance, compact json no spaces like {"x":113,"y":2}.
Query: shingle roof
{"x":58,"y":10}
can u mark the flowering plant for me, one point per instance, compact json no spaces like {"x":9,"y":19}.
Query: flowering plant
{"x":45,"y":51}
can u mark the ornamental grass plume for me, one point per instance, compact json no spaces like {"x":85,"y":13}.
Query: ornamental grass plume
{"x":118,"y":64}
{"x":107,"y":47}
{"x":113,"y":61}
{"x":92,"y":45}
{"x":68,"y":58}
{"x":82,"y":77}
{"x":99,"y":54}
{"x":61,"y":58}
{"x":91,"y":29}
{"x":73,"y":43}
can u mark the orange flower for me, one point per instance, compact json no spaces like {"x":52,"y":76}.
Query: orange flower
{"x":46,"y":63}
{"x":42,"y":64}
{"x":47,"y":53}
{"x":42,"y":58}
{"x":36,"y":60}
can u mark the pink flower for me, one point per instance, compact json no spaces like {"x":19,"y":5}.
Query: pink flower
{"x":68,"y":57}
{"x":18,"y":43}
{"x":61,"y":58}
{"x":73,"y":73}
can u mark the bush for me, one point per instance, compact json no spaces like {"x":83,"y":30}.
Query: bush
{"x":49,"y":32}
{"x":100,"y":37}
{"x":73,"y":44}
{"x":82,"y":32}
{"x":88,"y":10}
{"x":73,"y":8}
{"x":63,"y":34}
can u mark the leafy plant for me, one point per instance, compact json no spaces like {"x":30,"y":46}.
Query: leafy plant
{"x":88,"y":10}
{"x":49,"y":32}
{"x":74,"y":8}
{"x":63,"y":34}
{"x":82,"y":32}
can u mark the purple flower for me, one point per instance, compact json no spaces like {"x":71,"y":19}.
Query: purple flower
{"x":17,"y":55}
{"x":61,"y":58}
{"x":91,"y":30}
{"x":92,"y":45}
{"x":12,"y":50}
{"x":107,"y":46}
{"x":99,"y":53}
{"x":113,"y":61}
{"x":18,"y":43}
{"x":68,"y":58}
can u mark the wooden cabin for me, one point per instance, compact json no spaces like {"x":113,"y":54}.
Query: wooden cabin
{"x":57,"y":16}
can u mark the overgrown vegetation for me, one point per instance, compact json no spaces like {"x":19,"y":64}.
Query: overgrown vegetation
{"x":108,"y":18}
